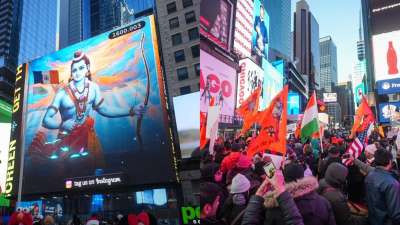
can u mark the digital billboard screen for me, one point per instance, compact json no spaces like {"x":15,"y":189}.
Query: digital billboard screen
{"x":330,"y":97}
{"x":293,"y":103}
{"x":384,"y":16}
{"x":388,"y":111}
{"x":5,"y":131}
{"x":243,"y":28}
{"x":217,"y":81}
{"x":250,"y":77}
{"x":216,"y":21}
{"x":273,"y":82}
{"x":386,"y":48}
{"x":187,"y":108}
{"x":260,"y":33}
{"x":96,"y":114}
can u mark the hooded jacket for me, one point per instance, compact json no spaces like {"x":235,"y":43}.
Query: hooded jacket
{"x":329,"y":188}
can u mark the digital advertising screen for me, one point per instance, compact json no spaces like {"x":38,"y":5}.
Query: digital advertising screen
{"x":260,"y":33}
{"x":293,"y":103}
{"x":96,"y":115}
{"x":216,"y":21}
{"x":388,"y":111}
{"x":35,"y":208}
{"x":384,"y":16}
{"x":273,"y":83}
{"x":218,"y":82}
{"x":250,"y":77}
{"x":330,"y":97}
{"x":5,"y":131}
{"x":187,"y":108}
{"x":386,"y":48}
{"x":244,"y":21}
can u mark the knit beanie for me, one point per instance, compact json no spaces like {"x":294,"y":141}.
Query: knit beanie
{"x":240,"y":184}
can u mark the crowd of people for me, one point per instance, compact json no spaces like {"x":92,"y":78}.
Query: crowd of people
{"x":313,"y":184}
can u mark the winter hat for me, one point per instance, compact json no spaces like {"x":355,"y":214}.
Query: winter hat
{"x":293,"y":171}
{"x":336,"y":174}
{"x":236,"y":147}
{"x":240,"y":184}
{"x":244,"y":162}
{"x":371,"y":149}
{"x":333,"y":150}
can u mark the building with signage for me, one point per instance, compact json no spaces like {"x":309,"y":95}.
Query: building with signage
{"x":345,"y":99}
{"x":178,"y":23}
{"x":9,"y":29}
{"x":306,"y":44}
{"x":328,"y":67}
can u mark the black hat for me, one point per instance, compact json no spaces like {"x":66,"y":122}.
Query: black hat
{"x":293,"y":171}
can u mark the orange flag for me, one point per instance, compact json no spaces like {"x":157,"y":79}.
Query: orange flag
{"x":249,"y":110}
{"x":203,"y":122}
{"x":363,"y":117}
{"x":297,"y":132}
{"x":273,"y":126}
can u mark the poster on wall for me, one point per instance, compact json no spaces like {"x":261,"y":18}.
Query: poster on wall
{"x":386,"y":50}
{"x":243,"y":28}
{"x":260,"y":33}
{"x":217,"y":81}
{"x":250,"y":77}
{"x":272,"y":84}
{"x":216,"y":21}
{"x":96,"y":109}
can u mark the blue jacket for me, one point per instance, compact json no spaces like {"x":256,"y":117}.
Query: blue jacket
{"x":383,"y":197}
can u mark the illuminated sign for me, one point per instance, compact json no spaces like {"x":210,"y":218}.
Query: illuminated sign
{"x":250,"y":78}
{"x":106,"y":180}
{"x":243,"y":28}
{"x":190,"y":215}
{"x":272,"y":84}
{"x":388,"y":111}
{"x":98,"y":105}
{"x":293,"y":103}
{"x":386,"y":49}
{"x":260,"y":32}
{"x":330,"y":97}
{"x":388,"y":86}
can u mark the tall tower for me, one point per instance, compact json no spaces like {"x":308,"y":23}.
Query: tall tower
{"x":328,"y":69}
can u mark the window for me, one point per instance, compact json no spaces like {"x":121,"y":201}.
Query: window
{"x":179,"y":56}
{"x":171,"y":7}
{"x":190,"y":17}
{"x":193,"y":33}
{"x":185,"y":90}
{"x":182,"y":73}
{"x":195,"y":51}
{"x":187,"y":3}
{"x":176,"y":39}
{"x":173,"y":23}
{"x":197,"y":69}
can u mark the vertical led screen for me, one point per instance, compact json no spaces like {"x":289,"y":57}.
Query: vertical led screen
{"x":187,"y":108}
{"x":293,"y":103}
{"x":216,"y":21}
{"x":243,"y":28}
{"x":260,"y":34}
{"x":273,"y":82}
{"x":250,"y":78}
{"x":96,"y":114}
{"x":217,"y":81}
{"x":386,"y":48}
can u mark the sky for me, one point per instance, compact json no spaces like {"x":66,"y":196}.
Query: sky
{"x":340,"y":20}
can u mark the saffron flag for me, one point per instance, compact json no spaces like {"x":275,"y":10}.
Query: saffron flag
{"x":310,"y":123}
{"x":46,"y":77}
{"x":249,"y":110}
{"x":273,"y":121}
{"x":363,"y":118}
{"x":203,"y":122}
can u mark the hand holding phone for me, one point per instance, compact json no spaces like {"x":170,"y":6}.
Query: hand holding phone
{"x":269,"y":170}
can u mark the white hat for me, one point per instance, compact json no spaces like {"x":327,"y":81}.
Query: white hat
{"x":370,"y":149}
{"x":240,"y":184}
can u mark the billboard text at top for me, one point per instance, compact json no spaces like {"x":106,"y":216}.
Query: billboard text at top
{"x":97,"y":110}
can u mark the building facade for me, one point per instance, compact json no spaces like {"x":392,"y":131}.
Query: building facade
{"x":178,"y":25}
{"x":306,"y":44}
{"x":280,"y":21}
{"x":10,"y":21}
{"x":328,"y":67}
{"x":345,"y":99}
{"x":39,"y":31}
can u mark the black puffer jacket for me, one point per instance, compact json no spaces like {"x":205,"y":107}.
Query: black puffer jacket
{"x":329,"y":188}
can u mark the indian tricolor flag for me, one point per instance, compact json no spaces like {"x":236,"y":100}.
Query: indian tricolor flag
{"x":46,"y":77}
{"x":309,"y":124}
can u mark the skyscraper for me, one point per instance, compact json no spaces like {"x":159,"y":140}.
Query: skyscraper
{"x":328,"y":68}
{"x":9,"y":39}
{"x":306,"y":44}
{"x":39,"y":31}
{"x":280,"y":20}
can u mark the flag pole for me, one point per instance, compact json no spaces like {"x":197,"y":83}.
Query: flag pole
{"x":319,"y":127}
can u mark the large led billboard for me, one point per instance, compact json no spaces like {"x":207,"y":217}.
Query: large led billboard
{"x":273,"y":82}
{"x":244,"y":21}
{"x":384,"y":16}
{"x":5,"y":131}
{"x":330,"y":97}
{"x":386,"y":48}
{"x":260,"y":33}
{"x":216,"y":21}
{"x":293,"y":103}
{"x":187,"y":108}
{"x":388,"y":111}
{"x":217,"y":81}
{"x":250,"y":77}
{"x":96,"y":115}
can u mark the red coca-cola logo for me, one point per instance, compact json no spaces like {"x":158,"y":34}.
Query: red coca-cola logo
{"x":216,"y":84}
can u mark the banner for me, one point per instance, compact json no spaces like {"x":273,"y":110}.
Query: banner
{"x":250,"y":78}
{"x":217,"y":80}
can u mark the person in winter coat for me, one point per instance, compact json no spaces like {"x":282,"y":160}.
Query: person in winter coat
{"x":383,"y":191}
{"x":210,"y":196}
{"x":236,"y":203}
{"x":287,"y":208}
{"x":330,"y":188}
{"x":333,"y":156}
